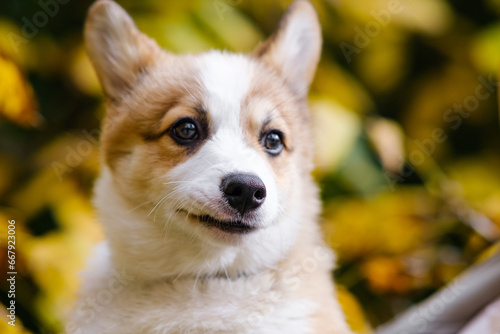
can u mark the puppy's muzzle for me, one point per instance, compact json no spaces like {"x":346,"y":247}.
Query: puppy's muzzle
{"x":243,"y":192}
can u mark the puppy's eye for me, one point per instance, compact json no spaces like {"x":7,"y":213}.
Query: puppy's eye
{"x":184,"y":131}
{"x":273,"y":142}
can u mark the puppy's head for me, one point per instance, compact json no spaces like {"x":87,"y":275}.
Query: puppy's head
{"x":214,"y":149}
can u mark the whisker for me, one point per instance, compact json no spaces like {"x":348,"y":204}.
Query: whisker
{"x":196,"y":279}
{"x":182,"y":272}
{"x":173,"y":182}
{"x":188,"y":91}
{"x":173,"y":192}
{"x":150,"y":212}
{"x":138,"y":206}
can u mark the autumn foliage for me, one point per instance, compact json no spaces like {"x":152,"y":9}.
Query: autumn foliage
{"x":407,"y":134}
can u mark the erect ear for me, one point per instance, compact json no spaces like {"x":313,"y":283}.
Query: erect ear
{"x":295,"y":47}
{"x":119,"y":52}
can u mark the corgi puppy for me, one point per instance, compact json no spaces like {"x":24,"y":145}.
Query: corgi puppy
{"x":205,"y":193}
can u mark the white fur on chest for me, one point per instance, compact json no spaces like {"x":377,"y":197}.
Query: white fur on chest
{"x":120,"y":303}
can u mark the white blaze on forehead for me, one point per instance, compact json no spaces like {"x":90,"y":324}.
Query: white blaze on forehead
{"x":225,"y":78}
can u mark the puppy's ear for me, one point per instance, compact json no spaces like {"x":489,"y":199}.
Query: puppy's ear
{"x":119,"y":52}
{"x":295,"y":47}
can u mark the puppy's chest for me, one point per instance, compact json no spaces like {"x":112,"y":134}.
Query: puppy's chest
{"x":212,"y":306}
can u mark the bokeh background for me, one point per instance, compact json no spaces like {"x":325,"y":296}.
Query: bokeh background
{"x":405,"y":109}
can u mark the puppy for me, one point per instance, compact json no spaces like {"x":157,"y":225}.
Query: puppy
{"x":205,"y":193}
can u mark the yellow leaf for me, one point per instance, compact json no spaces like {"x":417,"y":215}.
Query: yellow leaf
{"x":243,"y":35}
{"x":56,"y":258}
{"x":353,"y":311}
{"x":384,"y":63}
{"x":486,"y":48}
{"x":479,"y":185}
{"x":432,"y":17}
{"x":342,"y":87}
{"x":489,"y":252}
{"x":336,"y":125}
{"x":15,"y":45}
{"x":32,"y":197}
{"x":16,"y":95}
{"x":387,"y":224}
{"x":83,"y":73}
{"x":177,"y":34}
{"x":7,"y":171}
{"x":386,"y":274}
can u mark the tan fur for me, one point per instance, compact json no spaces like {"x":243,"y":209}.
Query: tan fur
{"x":126,"y":124}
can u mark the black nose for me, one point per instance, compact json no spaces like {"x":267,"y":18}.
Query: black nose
{"x":244,"y":192}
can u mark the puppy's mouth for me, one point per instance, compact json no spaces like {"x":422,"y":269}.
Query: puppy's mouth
{"x":228,"y":226}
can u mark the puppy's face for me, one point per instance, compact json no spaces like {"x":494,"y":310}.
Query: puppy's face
{"x":213,"y":146}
